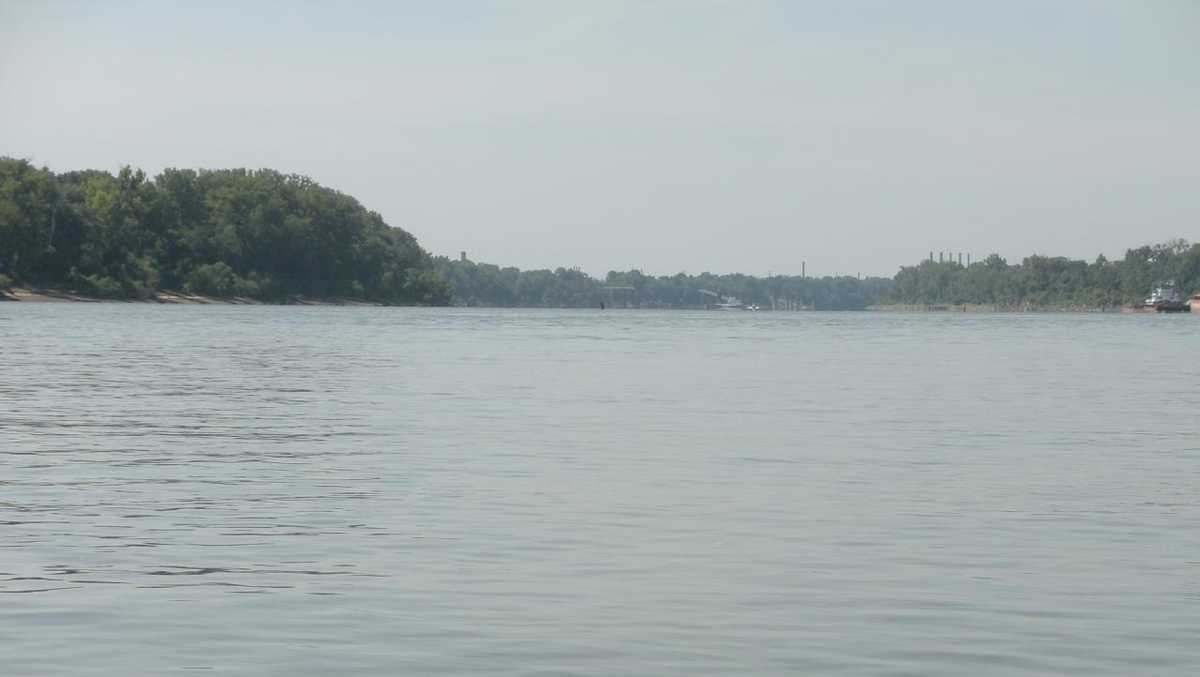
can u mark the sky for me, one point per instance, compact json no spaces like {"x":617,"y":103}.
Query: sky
{"x":700,"y":135}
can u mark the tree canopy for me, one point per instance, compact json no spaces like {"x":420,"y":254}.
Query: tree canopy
{"x":485,"y":284}
{"x":231,"y":232}
{"x":274,"y":236}
{"x":1038,"y":282}
{"x":1042,"y":281}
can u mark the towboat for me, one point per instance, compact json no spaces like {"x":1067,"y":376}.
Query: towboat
{"x":1164,"y":299}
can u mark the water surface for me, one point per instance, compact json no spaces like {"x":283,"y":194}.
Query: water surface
{"x":379,"y":491}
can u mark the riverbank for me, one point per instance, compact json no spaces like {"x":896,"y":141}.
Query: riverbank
{"x":43,"y":295}
{"x":986,"y":308}
{"x":51,"y":295}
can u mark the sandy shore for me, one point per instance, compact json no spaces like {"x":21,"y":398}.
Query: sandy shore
{"x":36,"y":295}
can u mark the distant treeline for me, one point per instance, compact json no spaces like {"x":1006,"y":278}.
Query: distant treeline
{"x":1041,"y":281}
{"x":273,"y":236}
{"x":1037,"y":282}
{"x":485,"y":284}
{"x":235,"y":232}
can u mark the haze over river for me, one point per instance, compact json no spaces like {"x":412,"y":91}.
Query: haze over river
{"x":243,"y":491}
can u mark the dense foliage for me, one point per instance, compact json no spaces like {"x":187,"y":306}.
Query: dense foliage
{"x":235,"y":232}
{"x":483,"y":284}
{"x":272,"y":236}
{"x":1040,"y":282}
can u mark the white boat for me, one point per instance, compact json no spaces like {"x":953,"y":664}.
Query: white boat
{"x":733,"y":303}
{"x":726,"y":302}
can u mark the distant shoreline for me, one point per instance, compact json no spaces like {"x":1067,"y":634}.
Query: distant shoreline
{"x":51,"y":295}
{"x":46,"y":295}
{"x":988,"y":308}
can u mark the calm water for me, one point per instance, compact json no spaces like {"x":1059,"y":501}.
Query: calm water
{"x":374,"y":491}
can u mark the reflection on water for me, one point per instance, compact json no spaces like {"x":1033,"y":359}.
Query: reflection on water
{"x":571,"y":492}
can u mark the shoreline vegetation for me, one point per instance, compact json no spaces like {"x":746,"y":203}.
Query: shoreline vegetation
{"x":231,"y":233}
{"x":40,"y":295}
{"x":45,"y":295}
{"x":238,"y":236}
{"x":988,"y":308}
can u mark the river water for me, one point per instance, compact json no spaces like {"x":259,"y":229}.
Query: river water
{"x":378,"y":491}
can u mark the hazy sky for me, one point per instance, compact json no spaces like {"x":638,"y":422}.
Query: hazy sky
{"x":703,"y":135}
